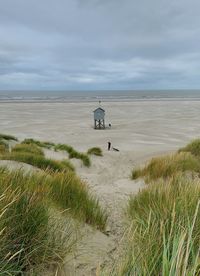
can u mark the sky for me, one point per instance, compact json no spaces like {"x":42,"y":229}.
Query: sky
{"x":99,"y":44}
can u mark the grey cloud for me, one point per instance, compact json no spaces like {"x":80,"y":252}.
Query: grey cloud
{"x":98,"y":44}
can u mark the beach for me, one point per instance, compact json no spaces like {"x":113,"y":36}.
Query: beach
{"x":138,"y":126}
{"x":140,"y":130}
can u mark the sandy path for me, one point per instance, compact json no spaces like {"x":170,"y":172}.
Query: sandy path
{"x":109,"y":179}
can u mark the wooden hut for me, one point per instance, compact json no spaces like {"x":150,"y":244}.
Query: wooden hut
{"x":99,"y":118}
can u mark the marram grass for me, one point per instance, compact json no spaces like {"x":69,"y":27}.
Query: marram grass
{"x":74,"y":154}
{"x":8,"y":137}
{"x":39,"y":161}
{"x":164,"y":237}
{"x":31,"y":238}
{"x":95,"y":151}
{"x":193,"y":148}
{"x":38,"y":143}
{"x":28,"y":148}
{"x":27,"y":238}
{"x":167,"y":166}
{"x":69,"y":192}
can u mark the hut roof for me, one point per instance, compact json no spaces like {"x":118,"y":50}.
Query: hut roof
{"x":98,"y":109}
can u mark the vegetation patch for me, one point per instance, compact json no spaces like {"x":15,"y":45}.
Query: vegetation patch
{"x":95,"y":151}
{"x":31,"y":238}
{"x":28,"y":148}
{"x":4,"y":147}
{"x":74,"y":154}
{"x":8,"y":137}
{"x":28,"y":238}
{"x":47,"y":145}
{"x":39,"y":161}
{"x":167,"y":166}
{"x":70,"y":193}
{"x":164,"y":237}
{"x":193,"y":148}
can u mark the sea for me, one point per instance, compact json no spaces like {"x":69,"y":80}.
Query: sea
{"x":96,"y":95}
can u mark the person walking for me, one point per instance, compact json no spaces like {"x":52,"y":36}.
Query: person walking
{"x":109,"y":145}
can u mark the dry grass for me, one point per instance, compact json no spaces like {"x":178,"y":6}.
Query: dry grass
{"x":27,"y":238}
{"x":164,"y":238}
{"x":31,"y":238}
{"x":38,"y":161}
{"x":168,"y":166}
{"x":28,"y":148}
{"x":193,"y":148}
{"x":70,"y":193}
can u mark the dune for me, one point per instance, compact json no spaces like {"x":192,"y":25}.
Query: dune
{"x":139,"y":130}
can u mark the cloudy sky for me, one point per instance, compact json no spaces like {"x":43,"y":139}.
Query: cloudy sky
{"x":99,"y":44}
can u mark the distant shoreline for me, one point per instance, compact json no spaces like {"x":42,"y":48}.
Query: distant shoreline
{"x":95,"y":96}
{"x":121,"y":100}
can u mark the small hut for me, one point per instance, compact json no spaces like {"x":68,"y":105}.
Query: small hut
{"x":99,"y":118}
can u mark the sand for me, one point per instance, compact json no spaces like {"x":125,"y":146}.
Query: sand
{"x":140,"y":130}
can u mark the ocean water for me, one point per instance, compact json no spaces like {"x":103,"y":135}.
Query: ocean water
{"x":93,"y":96}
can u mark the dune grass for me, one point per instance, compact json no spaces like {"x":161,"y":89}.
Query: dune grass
{"x":4,"y":147}
{"x":167,"y":166}
{"x":74,"y":154}
{"x":193,"y":148}
{"x":48,"y":145}
{"x":8,"y":137}
{"x":28,"y":238}
{"x":28,"y":148}
{"x":164,"y":238}
{"x":39,"y":161}
{"x":95,"y":151}
{"x":70,"y":193}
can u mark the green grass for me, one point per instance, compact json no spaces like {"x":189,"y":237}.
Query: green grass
{"x":193,"y":148}
{"x":48,"y":145}
{"x":95,"y":151}
{"x":82,"y":156}
{"x":28,"y":148}
{"x":4,"y":147}
{"x":39,"y":161}
{"x":8,"y":137}
{"x":64,"y":147}
{"x":70,"y":193}
{"x":167,"y":166}
{"x":74,"y":154}
{"x":30,"y":236}
{"x":164,"y":237}
{"x":32,"y":233}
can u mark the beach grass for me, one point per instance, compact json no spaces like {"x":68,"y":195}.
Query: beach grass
{"x":33,"y":235}
{"x":193,"y":148}
{"x":44,"y":144}
{"x":167,"y":166}
{"x":38,"y":161}
{"x":28,"y":238}
{"x":4,"y":147}
{"x":72,"y":153}
{"x":164,"y":236}
{"x":95,"y":151}
{"x":28,"y":148}
{"x":71,"y":193}
{"x":8,"y":137}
